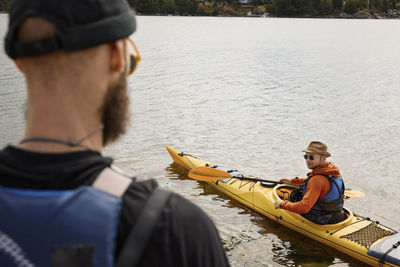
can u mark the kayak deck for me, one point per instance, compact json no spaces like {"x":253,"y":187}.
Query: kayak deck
{"x":353,"y":236}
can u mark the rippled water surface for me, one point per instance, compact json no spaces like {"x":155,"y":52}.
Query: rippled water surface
{"x":251,"y":94}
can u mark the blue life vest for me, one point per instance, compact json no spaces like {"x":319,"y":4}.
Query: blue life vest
{"x":328,"y":210}
{"x":58,"y":228}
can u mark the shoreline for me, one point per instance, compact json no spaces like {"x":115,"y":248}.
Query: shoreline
{"x":359,"y":15}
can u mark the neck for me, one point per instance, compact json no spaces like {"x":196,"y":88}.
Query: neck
{"x":65,"y":94}
{"x":59,"y":113}
{"x":322,"y":163}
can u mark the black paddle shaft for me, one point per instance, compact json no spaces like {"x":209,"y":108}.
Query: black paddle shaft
{"x":242,"y":177}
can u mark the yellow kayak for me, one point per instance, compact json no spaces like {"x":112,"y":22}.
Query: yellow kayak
{"x":357,"y":236}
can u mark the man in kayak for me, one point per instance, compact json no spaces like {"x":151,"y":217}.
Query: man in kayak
{"x":62,"y":203}
{"x":320,"y":196}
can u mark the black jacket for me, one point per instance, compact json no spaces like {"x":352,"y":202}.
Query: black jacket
{"x":184,"y":235}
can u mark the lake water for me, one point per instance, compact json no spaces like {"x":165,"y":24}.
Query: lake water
{"x":251,"y":93}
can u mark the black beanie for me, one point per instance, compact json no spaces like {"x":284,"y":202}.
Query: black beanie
{"x":80,"y":24}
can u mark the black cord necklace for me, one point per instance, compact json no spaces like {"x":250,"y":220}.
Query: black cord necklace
{"x":71,"y":143}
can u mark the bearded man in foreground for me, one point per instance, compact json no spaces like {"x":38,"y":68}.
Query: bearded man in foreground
{"x":63,"y":203}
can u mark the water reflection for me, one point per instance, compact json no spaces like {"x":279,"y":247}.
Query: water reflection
{"x":177,"y":172}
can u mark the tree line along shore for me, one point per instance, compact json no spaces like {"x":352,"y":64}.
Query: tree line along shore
{"x":278,"y":8}
{"x":275,"y":8}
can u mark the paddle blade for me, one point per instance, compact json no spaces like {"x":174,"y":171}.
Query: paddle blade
{"x":208,"y":174}
{"x":350,"y":193}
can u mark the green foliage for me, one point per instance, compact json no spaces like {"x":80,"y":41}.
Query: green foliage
{"x":168,"y":7}
{"x":283,"y":8}
{"x":351,"y":6}
{"x":164,"y":6}
{"x":201,"y":11}
{"x":185,"y":6}
{"x":5,"y":5}
{"x":215,"y":11}
{"x":272,"y":8}
{"x":325,"y":7}
{"x":362,"y":4}
{"x":337,"y":4}
{"x":231,"y":2}
{"x":377,"y":4}
{"x":303,"y":7}
{"x":386,"y":5}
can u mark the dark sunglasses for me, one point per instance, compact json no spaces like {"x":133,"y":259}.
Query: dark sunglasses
{"x":134,"y":57}
{"x":311,"y":157}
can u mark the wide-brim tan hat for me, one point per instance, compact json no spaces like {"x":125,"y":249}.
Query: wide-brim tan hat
{"x":317,"y":147}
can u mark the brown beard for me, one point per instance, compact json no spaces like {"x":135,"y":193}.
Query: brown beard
{"x":115,"y":110}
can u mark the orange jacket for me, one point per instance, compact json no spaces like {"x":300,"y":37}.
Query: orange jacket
{"x":317,"y":188}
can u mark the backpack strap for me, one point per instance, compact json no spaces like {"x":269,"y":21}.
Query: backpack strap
{"x":140,"y":233}
{"x":113,"y":182}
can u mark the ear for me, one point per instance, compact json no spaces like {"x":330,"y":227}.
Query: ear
{"x":18,"y":64}
{"x":117,"y":56}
